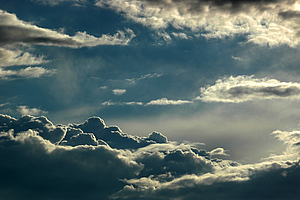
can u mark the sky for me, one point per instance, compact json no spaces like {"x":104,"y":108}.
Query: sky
{"x":149,"y":99}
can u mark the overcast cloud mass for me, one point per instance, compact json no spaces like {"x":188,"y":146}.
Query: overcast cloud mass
{"x":147,"y":100}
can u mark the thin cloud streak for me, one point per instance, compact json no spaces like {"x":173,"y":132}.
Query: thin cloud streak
{"x":247,"y":88}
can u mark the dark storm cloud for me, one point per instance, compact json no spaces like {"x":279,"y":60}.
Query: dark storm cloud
{"x":40,"y":160}
{"x":32,"y":168}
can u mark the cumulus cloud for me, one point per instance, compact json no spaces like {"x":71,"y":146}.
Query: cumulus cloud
{"x":246,"y":88}
{"x":263,"y":22}
{"x":165,"y":101}
{"x":118,"y":91}
{"x":95,"y":161}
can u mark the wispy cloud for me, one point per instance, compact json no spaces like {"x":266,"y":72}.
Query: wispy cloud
{"x":11,"y":58}
{"x":29,"y":72}
{"x":118,"y":91}
{"x":147,"y":76}
{"x":16,"y":31}
{"x":165,"y":101}
{"x":160,"y":102}
{"x":24,"y":110}
{"x":246,"y":88}
{"x":181,"y":36}
{"x":130,"y":103}
{"x":237,"y":58}
{"x":56,"y":2}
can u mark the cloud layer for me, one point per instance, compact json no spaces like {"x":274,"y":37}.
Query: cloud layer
{"x":263,"y":22}
{"x":40,"y":160}
{"x":246,"y":88}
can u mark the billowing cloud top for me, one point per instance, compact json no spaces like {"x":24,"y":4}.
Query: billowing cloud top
{"x":95,"y":161}
{"x":245,"y":88}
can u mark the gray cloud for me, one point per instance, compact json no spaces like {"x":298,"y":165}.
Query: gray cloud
{"x":246,"y":88}
{"x":40,"y":160}
{"x":14,"y":30}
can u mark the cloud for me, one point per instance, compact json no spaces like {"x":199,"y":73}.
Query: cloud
{"x":24,"y":110}
{"x":130,"y":103}
{"x":11,"y":58}
{"x":57,"y":2}
{"x":18,"y":58}
{"x":181,"y":36}
{"x":16,"y":31}
{"x":118,"y":91}
{"x":247,"y":88}
{"x":92,"y":160}
{"x":147,"y":76}
{"x":29,"y":72}
{"x":262,"y":22}
{"x":161,"y":102}
{"x":218,"y":151}
{"x":48,"y":171}
{"x":165,"y":101}
{"x":237,"y":58}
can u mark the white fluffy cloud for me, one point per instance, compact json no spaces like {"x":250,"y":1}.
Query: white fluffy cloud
{"x":246,"y":88}
{"x":263,"y":22}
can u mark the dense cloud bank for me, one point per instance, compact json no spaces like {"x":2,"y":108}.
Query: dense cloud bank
{"x":40,"y":160}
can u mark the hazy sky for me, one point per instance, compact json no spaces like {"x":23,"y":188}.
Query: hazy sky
{"x":216,"y":84}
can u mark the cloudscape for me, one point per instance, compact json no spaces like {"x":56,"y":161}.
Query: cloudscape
{"x":141,"y":99}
